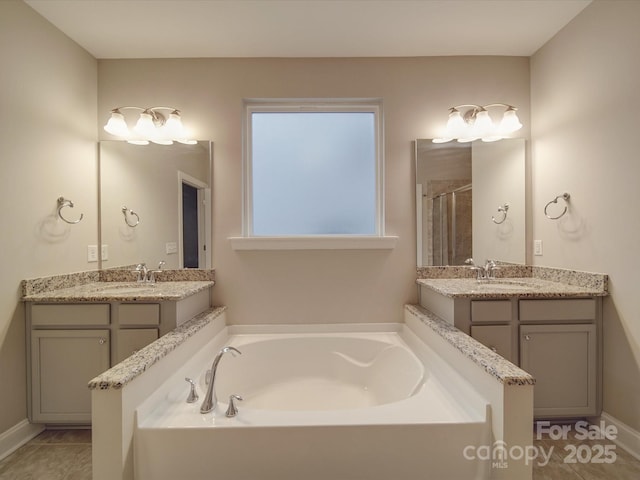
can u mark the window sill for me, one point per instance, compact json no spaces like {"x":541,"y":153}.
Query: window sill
{"x":314,"y":243}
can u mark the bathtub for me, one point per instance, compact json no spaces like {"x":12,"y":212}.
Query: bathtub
{"x":374,"y":405}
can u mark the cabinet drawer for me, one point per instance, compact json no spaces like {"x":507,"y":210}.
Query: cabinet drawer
{"x":495,"y":337}
{"x":558,"y":310}
{"x":82,"y":315}
{"x":139,"y":314}
{"x":490,"y":311}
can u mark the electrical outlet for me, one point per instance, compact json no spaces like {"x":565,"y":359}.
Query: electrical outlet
{"x":104,"y":253}
{"x":537,"y":247}
{"x":171,"y":247}
{"x":92,"y":253}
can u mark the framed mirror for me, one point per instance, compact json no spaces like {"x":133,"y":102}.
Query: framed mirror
{"x":155,"y":204}
{"x":470,"y":202}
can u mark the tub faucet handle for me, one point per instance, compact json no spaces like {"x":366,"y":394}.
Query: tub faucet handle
{"x":232,"y":411}
{"x":193,"y":395}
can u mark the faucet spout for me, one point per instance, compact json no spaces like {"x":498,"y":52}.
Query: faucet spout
{"x":210,"y":399}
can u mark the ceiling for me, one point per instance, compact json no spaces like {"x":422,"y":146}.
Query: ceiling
{"x":308,"y":28}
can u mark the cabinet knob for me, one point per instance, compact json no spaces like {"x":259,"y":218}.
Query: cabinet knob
{"x":527,"y":337}
{"x":102,"y":341}
{"x":494,"y":349}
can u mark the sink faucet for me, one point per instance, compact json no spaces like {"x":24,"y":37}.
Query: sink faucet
{"x":210,"y":400}
{"x":152,"y":273}
{"x":484,"y":272}
{"x":490,"y":269}
{"x":142,"y":271}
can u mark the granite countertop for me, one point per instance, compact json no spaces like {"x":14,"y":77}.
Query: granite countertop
{"x":494,"y":364}
{"x":525,"y":287}
{"x":120,"y":291}
{"x":133,"y":366}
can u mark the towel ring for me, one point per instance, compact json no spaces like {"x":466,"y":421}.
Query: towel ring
{"x":565,"y":196}
{"x":126,"y":219}
{"x":63,"y":202}
{"x":501,"y":209}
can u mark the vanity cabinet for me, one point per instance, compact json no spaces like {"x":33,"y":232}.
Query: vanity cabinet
{"x":559,"y":347}
{"x":139,"y":325}
{"x":68,"y":344}
{"x":557,"y":340}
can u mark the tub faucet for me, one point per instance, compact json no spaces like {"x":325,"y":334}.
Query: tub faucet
{"x":210,"y":400}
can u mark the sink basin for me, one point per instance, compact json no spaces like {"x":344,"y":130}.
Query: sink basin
{"x":505,"y":286}
{"x":127,"y":289}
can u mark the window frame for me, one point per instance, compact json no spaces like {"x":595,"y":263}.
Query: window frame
{"x":368,"y":105}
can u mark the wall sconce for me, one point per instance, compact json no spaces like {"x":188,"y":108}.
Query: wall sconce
{"x":476,"y":124}
{"x":152,"y":126}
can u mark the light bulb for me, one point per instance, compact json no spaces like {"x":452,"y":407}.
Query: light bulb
{"x":138,"y":142}
{"x":116,"y":124}
{"x":456,"y":126}
{"x":441,"y":140}
{"x":186,"y":141}
{"x":173,"y":127}
{"x":482,"y":126}
{"x":510,"y":122}
{"x":145,"y":126}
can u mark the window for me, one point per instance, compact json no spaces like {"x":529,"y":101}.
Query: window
{"x":313,"y":168}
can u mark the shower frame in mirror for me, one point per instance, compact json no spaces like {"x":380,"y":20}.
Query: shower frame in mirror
{"x":480,"y":177}
{"x":149,"y":180}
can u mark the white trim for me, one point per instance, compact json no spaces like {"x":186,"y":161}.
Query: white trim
{"x":314,"y":243}
{"x":252,"y":105}
{"x":204,"y":225}
{"x":17,"y":436}
{"x":626,"y":437}
{"x":419,"y":224}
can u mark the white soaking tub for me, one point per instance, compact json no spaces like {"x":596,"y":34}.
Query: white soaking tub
{"x":317,"y":406}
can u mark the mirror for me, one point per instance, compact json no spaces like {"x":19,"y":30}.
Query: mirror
{"x":470,"y":201}
{"x":155,"y":204}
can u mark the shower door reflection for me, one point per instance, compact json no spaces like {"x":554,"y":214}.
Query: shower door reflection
{"x":450,"y":226}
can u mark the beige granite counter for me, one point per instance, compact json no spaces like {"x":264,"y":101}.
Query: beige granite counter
{"x":525,"y":287}
{"x":497,"y":366}
{"x":125,"y":371}
{"x":120,"y":292}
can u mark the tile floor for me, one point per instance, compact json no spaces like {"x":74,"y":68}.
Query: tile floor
{"x":66,"y":455}
{"x":52,"y":455}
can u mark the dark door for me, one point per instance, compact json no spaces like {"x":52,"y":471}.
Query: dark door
{"x":190,"y":226}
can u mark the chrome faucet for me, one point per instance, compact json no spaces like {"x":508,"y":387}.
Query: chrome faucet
{"x":152,"y":273}
{"x":142,"y":271}
{"x":485,"y":272}
{"x":145,"y":275}
{"x":210,"y":400}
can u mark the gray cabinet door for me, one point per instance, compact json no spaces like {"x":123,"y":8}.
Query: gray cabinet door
{"x":63,"y":362}
{"x":132,"y":340}
{"x":496,"y":337}
{"x":562,"y":358}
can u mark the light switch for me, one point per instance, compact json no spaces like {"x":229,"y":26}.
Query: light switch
{"x":104,"y":253}
{"x":537,"y":247}
{"x":92,"y":253}
{"x":171,"y":247}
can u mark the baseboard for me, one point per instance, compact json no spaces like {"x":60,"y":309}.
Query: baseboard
{"x":626,"y":437}
{"x":17,"y":436}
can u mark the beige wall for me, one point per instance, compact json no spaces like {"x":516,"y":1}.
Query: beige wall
{"x":48,"y":137}
{"x":585,"y":102}
{"x":314,"y":286}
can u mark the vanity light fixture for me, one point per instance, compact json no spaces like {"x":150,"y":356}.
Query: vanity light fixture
{"x":152,"y":126}
{"x":475,"y":123}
